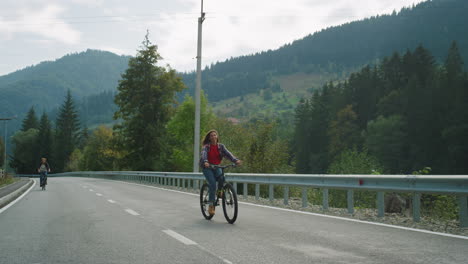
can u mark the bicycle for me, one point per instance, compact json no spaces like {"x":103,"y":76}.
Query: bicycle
{"x":43,"y":180}
{"x":227,"y":194}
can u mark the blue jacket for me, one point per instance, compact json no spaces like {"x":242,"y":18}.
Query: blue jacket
{"x":223,"y":151}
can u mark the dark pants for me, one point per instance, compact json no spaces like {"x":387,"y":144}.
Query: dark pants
{"x":213,"y":176}
{"x":43,"y":178}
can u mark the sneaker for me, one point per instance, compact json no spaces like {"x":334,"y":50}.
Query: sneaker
{"x":211,"y":210}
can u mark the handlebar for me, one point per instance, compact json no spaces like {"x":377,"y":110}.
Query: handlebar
{"x":212,"y":166}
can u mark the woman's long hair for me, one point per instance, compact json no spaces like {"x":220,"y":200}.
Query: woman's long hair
{"x":207,"y":137}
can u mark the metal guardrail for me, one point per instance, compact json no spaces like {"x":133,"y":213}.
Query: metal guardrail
{"x":416,"y":184}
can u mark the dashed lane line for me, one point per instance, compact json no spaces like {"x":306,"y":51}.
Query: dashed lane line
{"x":130,"y":211}
{"x":111,"y":201}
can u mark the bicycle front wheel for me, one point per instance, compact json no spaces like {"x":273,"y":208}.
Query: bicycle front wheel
{"x":230,"y":207}
{"x":204,"y":201}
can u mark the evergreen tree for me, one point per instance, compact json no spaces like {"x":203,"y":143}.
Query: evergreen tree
{"x":301,"y":144}
{"x":67,"y":132}
{"x":45,"y":137}
{"x":422,"y":128}
{"x":83,"y":137}
{"x":344,"y":132}
{"x":30,"y":121}
{"x":145,"y":99}
{"x":456,"y":118}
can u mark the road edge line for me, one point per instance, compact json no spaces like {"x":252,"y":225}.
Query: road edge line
{"x":3,"y":209}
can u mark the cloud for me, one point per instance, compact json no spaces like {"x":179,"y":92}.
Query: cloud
{"x":43,"y":22}
{"x":89,"y":3}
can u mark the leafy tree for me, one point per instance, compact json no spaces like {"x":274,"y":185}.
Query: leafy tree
{"x":354,"y":162}
{"x":73,"y":163}
{"x":30,"y":121}
{"x":145,"y":99}
{"x":25,"y":158}
{"x":100,"y":153}
{"x":180,"y":132}
{"x":67,"y":132}
{"x":393,"y":103}
{"x":2,"y":152}
{"x":266,"y":153}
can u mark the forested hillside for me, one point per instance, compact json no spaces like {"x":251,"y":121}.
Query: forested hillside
{"x":46,"y":84}
{"x":407,"y":113}
{"x":434,"y":24}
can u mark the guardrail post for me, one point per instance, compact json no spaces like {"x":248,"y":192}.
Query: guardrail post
{"x":234,"y":184}
{"x":416,"y":207}
{"x":245,"y":190}
{"x":286,"y":195}
{"x":304,"y":197}
{"x":271,"y":193}
{"x":350,"y":199}
{"x":325,"y":198}
{"x":178,"y":182}
{"x":463,"y":203}
{"x":380,"y":204}
{"x":257,"y":191}
{"x":195,"y":186}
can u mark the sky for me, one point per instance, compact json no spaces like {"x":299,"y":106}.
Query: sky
{"x":32,"y":31}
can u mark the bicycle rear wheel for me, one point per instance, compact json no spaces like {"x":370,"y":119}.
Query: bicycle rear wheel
{"x":230,"y":207}
{"x":204,"y":201}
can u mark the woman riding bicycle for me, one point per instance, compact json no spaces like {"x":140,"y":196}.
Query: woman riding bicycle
{"x":212,"y":154}
{"x":43,"y":169}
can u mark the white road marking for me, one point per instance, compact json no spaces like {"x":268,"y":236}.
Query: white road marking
{"x":111,"y":201}
{"x":17,"y":199}
{"x":98,"y":194}
{"x":91,"y":190}
{"x":179,"y":237}
{"x":130,"y":211}
{"x":320,"y":215}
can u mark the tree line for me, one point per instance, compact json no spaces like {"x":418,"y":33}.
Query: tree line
{"x":404,"y":114}
{"x":341,"y":48}
{"x":152,"y":130}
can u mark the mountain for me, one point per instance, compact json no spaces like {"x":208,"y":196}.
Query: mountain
{"x":268,"y":82}
{"x":434,"y":24}
{"x":45,"y":85}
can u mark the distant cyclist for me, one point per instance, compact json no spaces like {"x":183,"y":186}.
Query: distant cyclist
{"x":43,"y":169}
{"x":212,"y":154}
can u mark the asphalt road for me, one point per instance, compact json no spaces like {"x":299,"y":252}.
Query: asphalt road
{"x":82,"y":220}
